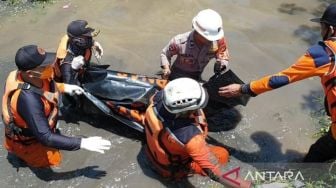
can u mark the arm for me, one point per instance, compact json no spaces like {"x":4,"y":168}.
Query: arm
{"x":168,"y":52}
{"x":200,"y":153}
{"x":222,"y":53}
{"x":222,"y":57}
{"x":69,"y":75}
{"x":65,"y":60}
{"x":66,"y":73}
{"x":305,"y":67}
{"x":31,"y":109}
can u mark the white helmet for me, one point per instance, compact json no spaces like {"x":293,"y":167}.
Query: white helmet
{"x":184,"y":94}
{"x":208,"y":23}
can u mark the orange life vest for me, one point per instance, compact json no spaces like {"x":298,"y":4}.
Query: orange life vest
{"x":61,"y":53}
{"x":328,"y":81}
{"x":165,"y":151}
{"x":16,"y":128}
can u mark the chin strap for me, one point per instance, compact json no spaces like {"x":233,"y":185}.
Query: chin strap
{"x":330,"y":36}
{"x":325,"y":37}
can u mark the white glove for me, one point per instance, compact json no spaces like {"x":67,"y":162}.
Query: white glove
{"x":95,"y":143}
{"x":77,"y":62}
{"x":73,"y":89}
{"x":165,"y":73}
{"x":98,"y":50}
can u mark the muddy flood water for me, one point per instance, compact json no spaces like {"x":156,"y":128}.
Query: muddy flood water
{"x":263,"y":37}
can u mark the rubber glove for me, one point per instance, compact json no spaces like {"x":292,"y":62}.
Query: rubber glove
{"x":73,"y":89}
{"x":77,"y":62}
{"x":98,"y":50}
{"x":95,"y":143}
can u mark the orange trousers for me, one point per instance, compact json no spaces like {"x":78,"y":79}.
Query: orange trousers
{"x":220,"y":153}
{"x":35,"y":154}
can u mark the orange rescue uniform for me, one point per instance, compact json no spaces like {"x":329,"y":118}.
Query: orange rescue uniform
{"x":174,"y":159}
{"x":65,"y":55}
{"x":24,"y":145}
{"x":318,"y":61}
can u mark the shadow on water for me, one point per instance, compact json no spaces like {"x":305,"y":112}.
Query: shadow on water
{"x":224,"y":119}
{"x":313,"y":101}
{"x":318,"y":11}
{"x":309,"y":34}
{"x":48,"y":174}
{"x":291,"y":8}
{"x":269,"y":150}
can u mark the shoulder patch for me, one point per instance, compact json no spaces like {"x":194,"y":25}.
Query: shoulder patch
{"x":173,"y":47}
{"x":319,"y":54}
{"x":278,"y":81}
{"x":221,"y":42}
{"x":182,"y":38}
{"x":185,"y":133}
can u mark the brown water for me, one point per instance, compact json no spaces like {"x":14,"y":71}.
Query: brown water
{"x":263,"y":37}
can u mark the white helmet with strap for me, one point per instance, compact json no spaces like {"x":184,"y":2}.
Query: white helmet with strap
{"x":184,"y":94}
{"x":208,"y":23}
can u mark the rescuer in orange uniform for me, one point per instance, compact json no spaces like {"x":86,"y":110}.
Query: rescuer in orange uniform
{"x":176,"y":128}
{"x":30,"y":111}
{"x":73,"y":54}
{"x":319,"y":60}
{"x":75,"y":51}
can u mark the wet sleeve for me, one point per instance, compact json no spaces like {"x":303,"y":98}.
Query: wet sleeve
{"x":31,"y":109}
{"x":305,"y":67}
{"x":200,"y":153}
{"x":171,"y":49}
{"x":222,"y":54}
{"x":68,"y":74}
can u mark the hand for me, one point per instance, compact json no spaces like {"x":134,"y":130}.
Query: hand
{"x":73,"y":89}
{"x":98,"y":50}
{"x":77,"y":62}
{"x":232,"y":90}
{"x":221,"y":67}
{"x":165,"y":73}
{"x":95,"y":143}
